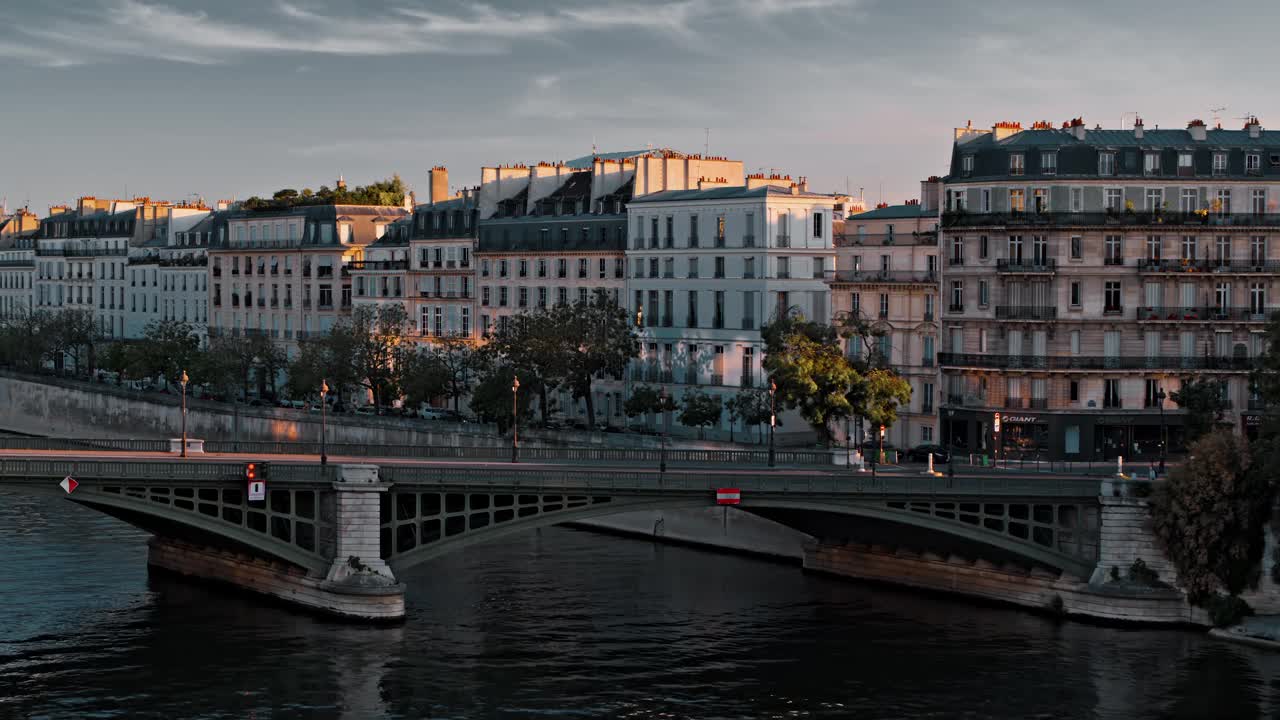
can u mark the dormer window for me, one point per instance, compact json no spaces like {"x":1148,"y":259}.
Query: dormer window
{"x":1151,"y":163}
{"x":1185,"y":166}
{"x":1106,"y":163}
{"x":1219,"y":163}
{"x":966,"y":165}
{"x":1253,"y":164}
{"x":1049,"y":163}
{"x":1016,"y":164}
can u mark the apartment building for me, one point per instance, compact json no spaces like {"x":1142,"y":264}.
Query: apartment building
{"x":283,"y":273}
{"x":17,"y":263}
{"x":886,"y":279}
{"x":709,"y":265}
{"x":1088,"y":271}
{"x":81,"y":254}
{"x":169,"y":274}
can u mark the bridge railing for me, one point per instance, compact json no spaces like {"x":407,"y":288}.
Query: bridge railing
{"x":37,"y":469}
{"x":453,"y":452}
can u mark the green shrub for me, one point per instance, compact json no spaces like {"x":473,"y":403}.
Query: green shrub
{"x":1143,"y":575}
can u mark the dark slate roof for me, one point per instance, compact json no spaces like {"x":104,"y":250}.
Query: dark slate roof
{"x":577,"y":186}
{"x":587,"y":161}
{"x":892,"y":212}
{"x":524,"y":234}
{"x":1126,"y":138}
{"x":726,"y":193}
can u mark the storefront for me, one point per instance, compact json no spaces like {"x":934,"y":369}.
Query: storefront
{"x":1061,"y":436}
{"x":1252,"y":424}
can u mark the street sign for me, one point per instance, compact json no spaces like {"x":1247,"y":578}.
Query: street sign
{"x":257,"y":490}
{"x":728,"y":496}
{"x":69,"y":484}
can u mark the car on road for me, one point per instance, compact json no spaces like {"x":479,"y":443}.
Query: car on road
{"x":921,"y":453}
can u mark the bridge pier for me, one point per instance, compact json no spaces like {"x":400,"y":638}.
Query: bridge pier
{"x":357,"y":585}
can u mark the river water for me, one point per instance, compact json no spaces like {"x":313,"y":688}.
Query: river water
{"x":566,"y":623}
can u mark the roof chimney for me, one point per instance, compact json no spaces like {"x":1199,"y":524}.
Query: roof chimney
{"x":342,"y":184}
{"x":1137,"y":128}
{"x":1254,"y":127}
{"x":1198,"y":130}
{"x":439,"y":183}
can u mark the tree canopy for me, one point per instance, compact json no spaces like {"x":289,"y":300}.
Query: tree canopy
{"x":1205,"y":403}
{"x":384,"y":192}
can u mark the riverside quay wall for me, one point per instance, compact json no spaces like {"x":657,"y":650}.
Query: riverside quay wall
{"x":55,"y":407}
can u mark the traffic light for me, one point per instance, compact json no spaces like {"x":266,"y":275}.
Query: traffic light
{"x":264,"y":471}
{"x":251,"y":471}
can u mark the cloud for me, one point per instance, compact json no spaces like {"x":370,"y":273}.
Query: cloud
{"x":142,"y":28}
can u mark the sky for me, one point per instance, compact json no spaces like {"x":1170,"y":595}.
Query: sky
{"x":178,"y":99}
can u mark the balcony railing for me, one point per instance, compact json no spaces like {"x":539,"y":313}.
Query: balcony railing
{"x":1113,"y":218}
{"x":1203,"y":314}
{"x":80,"y":250}
{"x":1044,"y":265}
{"x":967,"y":399}
{"x":717,"y":379}
{"x":748,"y":241}
{"x":1208,"y":266}
{"x":783,"y":241}
{"x":377,"y":265}
{"x":922,"y":237}
{"x":883,"y":276}
{"x":955,"y":307}
{"x":1026,"y":312}
{"x":1094,"y":362}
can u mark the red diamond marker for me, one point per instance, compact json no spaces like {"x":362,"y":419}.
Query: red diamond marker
{"x":69,"y":484}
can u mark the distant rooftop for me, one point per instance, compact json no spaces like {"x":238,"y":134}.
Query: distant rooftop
{"x":729,"y":193}
{"x":893,"y":212}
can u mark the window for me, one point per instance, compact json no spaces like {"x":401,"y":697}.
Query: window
{"x":784,"y":268}
{"x":1075,"y":293}
{"x":1040,"y":200}
{"x":1258,"y":201}
{"x":1155,"y":198}
{"x":1113,"y":199}
{"x":693,"y":267}
{"x":669,"y":268}
{"x":1258,"y":250}
{"x":653,"y":267}
{"x":1112,"y":251}
{"x":1111,"y":393}
{"x":1112,"y":297}
{"x":1106,"y":163}
{"x":693,"y":309}
{"x":1077,"y":249}
{"x":1189,"y":200}
{"x":717,"y":320}
{"x":1222,"y":201}
{"x":884,"y":305}
{"x":1153,"y":247}
{"x":502,"y":295}
{"x":1016,"y":163}
{"x":1222,"y":295}
{"x":966,"y":165}
{"x":1185,"y":166}
{"x":1220,"y":163}
{"x":819,"y":268}
{"x":1049,"y":163}
{"x":1151,"y":163}
{"x":1189,"y":247}
{"x":562,"y":267}
{"x":957,"y":250}
{"x":957,"y":296}
{"x":817,"y":225}
{"x":955,"y":199}
{"x":1074,"y":394}
{"x":1077,"y":199}
{"x":983,"y":293}
{"x":484,"y":295}
{"x":1222,"y":249}
{"x":719,"y":267}
{"x":669,"y":239}
{"x":983,"y":247}
{"x":749,"y":268}
{"x":1253,"y":164}
{"x":985,"y":196}
{"x":1017,"y":200}
{"x":720,"y":229}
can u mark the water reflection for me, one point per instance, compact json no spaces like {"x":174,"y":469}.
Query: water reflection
{"x":563,"y":623}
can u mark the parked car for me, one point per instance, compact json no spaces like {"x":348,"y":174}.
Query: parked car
{"x":921,"y":453}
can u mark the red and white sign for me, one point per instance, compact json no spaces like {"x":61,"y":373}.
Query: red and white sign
{"x":728,"y":496}
{"x":69,"y":484}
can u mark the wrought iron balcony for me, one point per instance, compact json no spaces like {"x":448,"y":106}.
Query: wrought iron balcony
{"x":1206,"y":265}
{"x":377,"y":265}
{"x":963,"y":219}
{"x":1204,"y":314}
{"x":1026,"y":312}
{"x":1043,"y":265}
{"x":1094,"y":362}
{"x":883,"y":276}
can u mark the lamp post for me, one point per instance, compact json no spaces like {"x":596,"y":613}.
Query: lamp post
{"x":515,"y":419}
{"x":662,"y":439}
{"x":1164,"y":438}
{"x":182,"y":381}
{"x":951,"y":428}
{"x":324,"y":430}
{"x":773,"y":417}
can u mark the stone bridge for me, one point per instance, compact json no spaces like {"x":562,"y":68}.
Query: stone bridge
{"x":335,"y":537}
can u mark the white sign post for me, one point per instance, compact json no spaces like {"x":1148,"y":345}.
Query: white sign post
{"x":257,"y":490}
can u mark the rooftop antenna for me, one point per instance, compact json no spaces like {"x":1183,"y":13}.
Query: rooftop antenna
{"x":593,"y":145}
{"x":706,"y":142}
{"x":1217,"y":118}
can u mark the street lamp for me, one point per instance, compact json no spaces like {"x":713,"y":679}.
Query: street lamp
{"x":662,"y":439}
{"x":773,"y":417}
{"x":324,"y":392}
{"x":951,"y":428}
{"x":1164,"y":438}
{"x":515,"y":419}
{"x":182,"y":381}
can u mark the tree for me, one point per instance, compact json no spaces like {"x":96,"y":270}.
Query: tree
{"x":269,"y":360}
{"x":377,"y":337}
{"x":645,"y":400}
{"x":455,"y":356}
{"x":120,"y":357}
{"x":751,"y":406}
{"x":228,"y":364}
{"x":877,"y":396}
{"x":74,"y":334}
{"x":1210,"y":517}
{"x":491,"y":399}
{"x":27,"y":339}
{"x":700,"y":410}
{"x":803,"y":358}
{"x":315,"y":363}
{"x":593,"y":338}
{"x":167,"y":348}
{"x":424,"y":377}
{"x":530,"y":344}
{"x":1205,"y":405}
